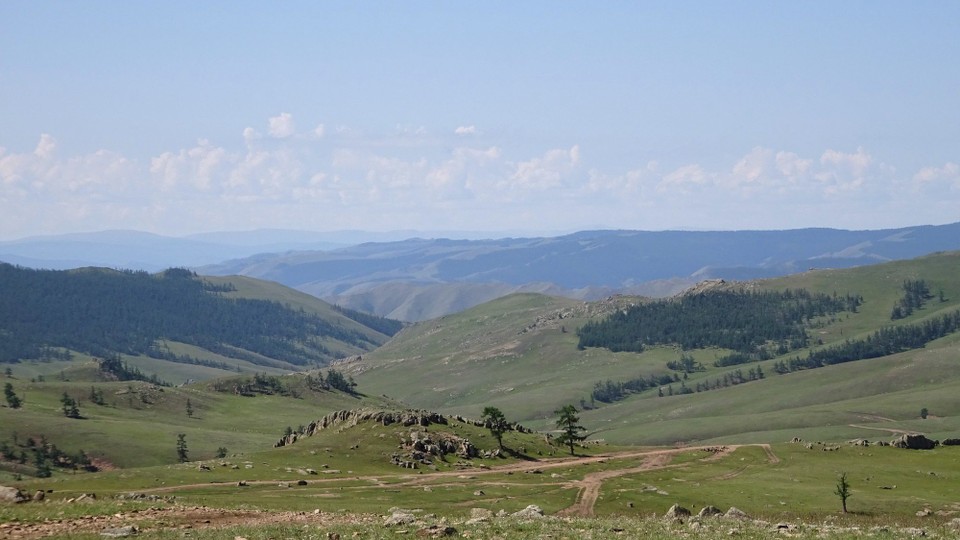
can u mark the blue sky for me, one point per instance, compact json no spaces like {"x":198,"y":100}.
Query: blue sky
{"x":183,"y":117}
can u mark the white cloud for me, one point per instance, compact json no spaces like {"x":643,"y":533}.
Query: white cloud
{"x":200,"y":166}
{"x":250,"y":134}
{"x":949,"y":174}
{"x":684,"y":177}
{"x":46,"y":147}
{"x":842,"y":171}
{"x":281,"y":126}
{"x":395,"y":181}
{"x":752,"y":168}
{"x":547,"y":171}
{"x":791,"y":166}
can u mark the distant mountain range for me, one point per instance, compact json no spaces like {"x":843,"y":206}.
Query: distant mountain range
{"x":419,"y":279}
{"x":136,"y":250}
{"x":397,"y":275}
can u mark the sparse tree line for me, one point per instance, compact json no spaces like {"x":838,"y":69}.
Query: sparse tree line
{"x":39,"y":457}
{"x":103,"y":312}
{"x":385,"y":326}
{"x":261,"y":383}
{"x":568,"y":422}
{"x":114,"y":368}
{"x":610,"y":391}
{"x":915,"y":295}
{"x":883,"y":342}
{"x":757,"y":325}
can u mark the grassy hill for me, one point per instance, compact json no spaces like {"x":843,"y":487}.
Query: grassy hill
{"x":215,"y":326}
{"x":136,"y":424}
{"x":520,"y":354}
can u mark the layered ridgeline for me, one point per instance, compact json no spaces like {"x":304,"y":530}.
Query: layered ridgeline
{"x":419,"y":279}
{"x":231,"y":324}
{"x":821,"y":355}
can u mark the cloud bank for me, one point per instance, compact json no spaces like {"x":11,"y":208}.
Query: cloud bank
{"x":340,"y":178}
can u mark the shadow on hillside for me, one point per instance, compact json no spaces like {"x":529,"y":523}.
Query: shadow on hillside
{"x":518,"y":455}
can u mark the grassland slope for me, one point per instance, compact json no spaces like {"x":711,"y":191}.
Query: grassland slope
{"x":520,"y":354}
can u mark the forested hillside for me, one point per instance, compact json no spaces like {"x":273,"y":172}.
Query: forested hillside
{"x":44,"y":314}
{"x":815,"y":354}
{"x":759,"y":324}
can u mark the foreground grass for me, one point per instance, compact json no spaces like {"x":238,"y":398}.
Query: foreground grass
{"x":324,"y":526}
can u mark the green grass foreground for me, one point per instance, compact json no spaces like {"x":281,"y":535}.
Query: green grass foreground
{"x":895,"y":494}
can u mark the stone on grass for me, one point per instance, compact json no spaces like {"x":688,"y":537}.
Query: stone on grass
{"x":12,"y":494}
{"x":399,"y":518}
{"x":736,"y":513}
{"x":709,"y":511}
{"x":530,"y":512}
{"x":677,"y":512}
{"x":119,"y":532}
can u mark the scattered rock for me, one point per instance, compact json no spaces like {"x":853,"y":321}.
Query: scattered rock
{"x":913,"y":532}
{"x":39,"y":495}
{"x":530,"y":512}
{"x":480,"y":513}
{"x":677,"y":512}
{"x":736,"y":513}
{"x":914,"y":442}
{"x":436,"y":531}
{"x":119,"y":532}
{"x":924,"y":513}
{"x":479,"y":493}
{"x":709,"y":511}
{"x":399,"y":518}
{"x":12,"y":494}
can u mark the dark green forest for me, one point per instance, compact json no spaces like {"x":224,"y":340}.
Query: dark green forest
{"x":757,"y":325}
{"x":883,"y":342}
{"x":104,"y":312}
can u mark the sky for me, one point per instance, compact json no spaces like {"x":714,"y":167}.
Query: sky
{"x":183,"y":117}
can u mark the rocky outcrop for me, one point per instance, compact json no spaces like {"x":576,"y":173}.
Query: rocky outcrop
{"x":12,"y":495}
{"x":346,"y":419}
{"x":709,"y":511}
{"x":422,"y":448}
{"x":914,"y":442}
{"x":677,"y":512}
{"x":530,"y":512}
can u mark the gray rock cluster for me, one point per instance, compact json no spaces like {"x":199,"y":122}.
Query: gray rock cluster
{"x":914,"y":442}
{"x":422,"y":448}
{"x":349,"y":418}
{"x":679,"y":513}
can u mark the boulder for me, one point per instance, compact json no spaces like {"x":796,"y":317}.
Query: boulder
{"x":530,"y":512}
{"x":436,"y":531}
{"x":914,"y":442}
{"x":12,"y":495}
{"x":709,"y":511}
{"x":677,"y":512}
{"x":950,"y":442}
{"x":736,"y":513}
{"x":120,"y":532}
{"x":399,"y":518}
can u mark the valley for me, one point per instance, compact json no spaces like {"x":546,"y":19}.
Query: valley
{"x":186,"y":441}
